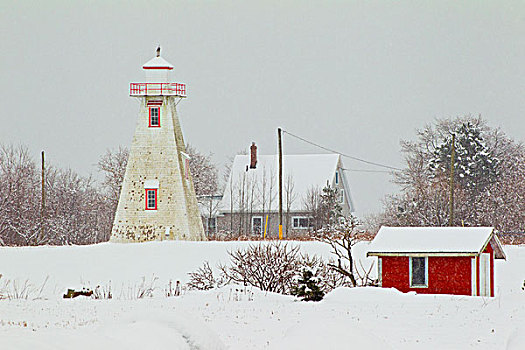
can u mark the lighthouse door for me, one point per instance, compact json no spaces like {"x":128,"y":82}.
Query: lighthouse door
{"x":484,"y":275}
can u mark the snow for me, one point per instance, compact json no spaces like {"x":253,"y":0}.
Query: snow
{"x":236,"y":317}
{"x":430,"y":239}
{"x":158,"y":62}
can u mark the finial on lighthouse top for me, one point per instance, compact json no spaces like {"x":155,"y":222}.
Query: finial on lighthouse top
{"x":158,"y":62}
{"x":157,"y":69}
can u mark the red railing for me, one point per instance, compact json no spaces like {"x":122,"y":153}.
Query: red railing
{"x":157,"y":89}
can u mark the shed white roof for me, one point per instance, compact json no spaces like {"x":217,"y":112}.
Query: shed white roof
{"x":305,"y":171}
{"x":434,"y":240}
{"x":157,"y":63}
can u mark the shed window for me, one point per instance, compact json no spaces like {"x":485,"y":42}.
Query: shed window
{"x":418,"y":272}
{"x":151,"y":199}
{"x":154,"y":117}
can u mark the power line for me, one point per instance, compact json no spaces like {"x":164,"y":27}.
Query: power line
{"x":368,"y":171}
{"x":344,"y":155}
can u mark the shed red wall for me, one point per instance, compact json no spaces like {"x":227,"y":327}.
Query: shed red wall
{"x":446,"y":275}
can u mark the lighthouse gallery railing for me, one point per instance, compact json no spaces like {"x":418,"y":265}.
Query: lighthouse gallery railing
{"x":157,"y":89}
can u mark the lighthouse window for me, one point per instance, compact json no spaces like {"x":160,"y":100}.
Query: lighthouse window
{"x":154,"y":117}
{"x":151,"y":199}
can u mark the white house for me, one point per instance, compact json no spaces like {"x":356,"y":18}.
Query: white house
{"x":250,"y":202}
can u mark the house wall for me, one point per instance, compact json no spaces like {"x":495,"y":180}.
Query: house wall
{"x":446,"y":275}
{"x":242,"y":224}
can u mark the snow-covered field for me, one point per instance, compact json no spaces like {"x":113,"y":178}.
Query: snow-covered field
{"x":233,"y":317}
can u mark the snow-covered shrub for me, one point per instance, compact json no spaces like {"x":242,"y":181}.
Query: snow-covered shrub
{"x":204,"y":278}
{"x":268,"y":266}
{"x":142,"y":290}
{"x":173,"y":290}
{"x":103,"y":292}
{"x":14,"y":289}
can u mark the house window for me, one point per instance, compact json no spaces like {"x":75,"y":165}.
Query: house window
{"x":300,"y":222}
{"x":418,"y":272}
{"x":212,"y":225}
{"x":151,"y":199}
{"x":341,"y":194}
{"x":154,"y":117}
{"x":257,"y":222}
{"x":336,"y":177}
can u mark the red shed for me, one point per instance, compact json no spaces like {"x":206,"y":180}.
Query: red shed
{"x":437,"y":260}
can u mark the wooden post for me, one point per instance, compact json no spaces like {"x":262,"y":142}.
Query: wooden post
{"x":265,"y":227}
{"x":280,"y":183}
{"x":451,"y":201}
{"x":43,"y":205}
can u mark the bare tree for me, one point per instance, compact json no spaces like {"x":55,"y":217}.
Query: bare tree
{"x":267,"y":193}
{"x":204,"y":173}
{"x":489,"y":190}
{"x":312,"y":204}
{"x":113,"y":164}
{"x":77,"y":211}
{"x":342,"y":236}
{"x":289,"y":197}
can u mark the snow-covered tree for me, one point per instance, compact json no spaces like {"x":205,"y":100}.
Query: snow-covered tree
{"x":113,"y":164}
{"x":490,"y":178}
{"x":474,"y":164}
{"x":330,"y":209}
{"x":204,"y":173}
{"x":308,"y":287}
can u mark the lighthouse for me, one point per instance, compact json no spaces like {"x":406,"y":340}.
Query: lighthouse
{"x":157,"y":200}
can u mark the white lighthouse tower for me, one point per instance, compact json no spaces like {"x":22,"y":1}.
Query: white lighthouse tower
{"x":157,"y":200}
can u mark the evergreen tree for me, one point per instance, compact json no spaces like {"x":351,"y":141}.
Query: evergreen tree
{"x":474,"y":165}
{"x":308,"y":287}
{"x":329,"y":206}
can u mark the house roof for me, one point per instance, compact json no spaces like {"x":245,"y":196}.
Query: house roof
{"x":441,"y":241}
{"x":305,"y":171}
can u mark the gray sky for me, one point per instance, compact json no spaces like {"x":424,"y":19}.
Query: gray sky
{"x":355,"y":76}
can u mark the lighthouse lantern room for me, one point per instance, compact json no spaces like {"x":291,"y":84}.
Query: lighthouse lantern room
{"x":157,"y":199}
{"x":158,"y":80}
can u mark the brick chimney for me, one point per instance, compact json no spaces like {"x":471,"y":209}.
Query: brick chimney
{"x":253,"y":156}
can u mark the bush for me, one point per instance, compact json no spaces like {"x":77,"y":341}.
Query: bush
{"x":269,"y":266}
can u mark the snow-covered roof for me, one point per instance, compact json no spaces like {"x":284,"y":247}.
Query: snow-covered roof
{"x":305,"y":171}
{"x":157,"y":63}
{"x":434,"y":241}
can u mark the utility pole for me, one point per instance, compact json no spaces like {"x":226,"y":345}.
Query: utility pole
{"x":451,"y":201}
{"x":43,"y":205}
{"x":280,"y":183}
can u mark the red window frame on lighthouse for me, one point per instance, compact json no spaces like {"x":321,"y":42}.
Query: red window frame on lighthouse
{"x":151,"y":205}
{"x":154,"y":112}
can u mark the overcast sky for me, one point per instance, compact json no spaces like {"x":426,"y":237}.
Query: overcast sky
{"x":355,"y":76}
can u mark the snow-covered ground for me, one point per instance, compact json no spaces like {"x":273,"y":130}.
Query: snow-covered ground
{"x":234,"y":317}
